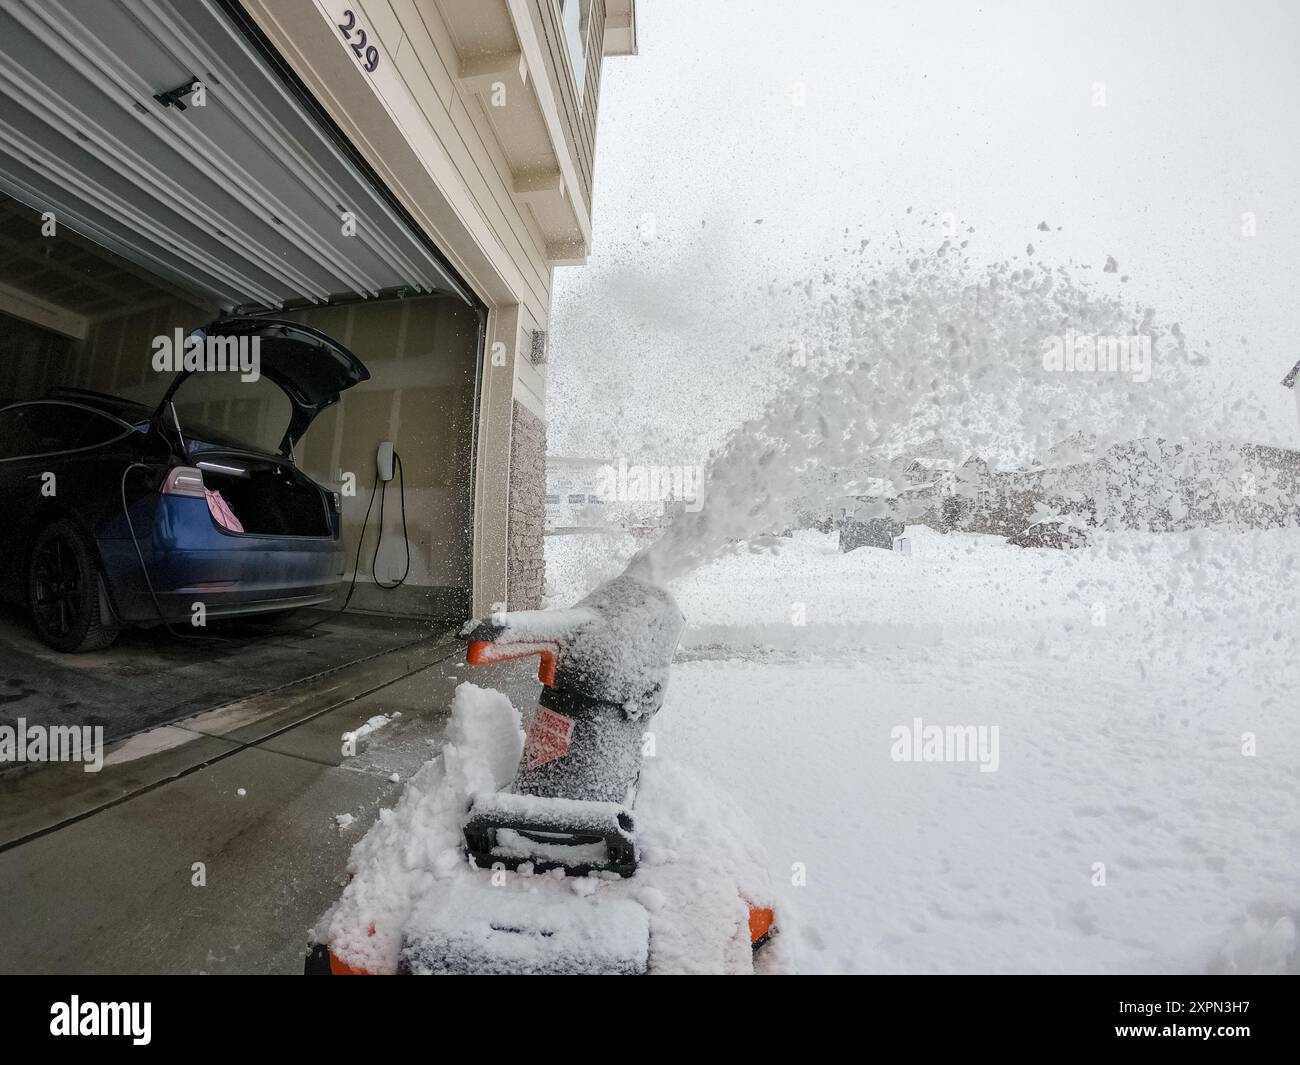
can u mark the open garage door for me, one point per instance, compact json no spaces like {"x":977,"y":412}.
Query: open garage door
{"x":155,"y":129}
{"x":129,"y":211}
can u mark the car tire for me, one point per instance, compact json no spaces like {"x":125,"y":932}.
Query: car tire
{"x":66,"y":595}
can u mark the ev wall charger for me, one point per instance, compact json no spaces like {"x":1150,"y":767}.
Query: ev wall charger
{"x":384,"y":461}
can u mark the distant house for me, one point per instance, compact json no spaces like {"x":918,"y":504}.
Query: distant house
{"x":1147,"y":483}
{"x":1150,"y":484}
{"x":576,"y":490}
{"x":1289,"y":381}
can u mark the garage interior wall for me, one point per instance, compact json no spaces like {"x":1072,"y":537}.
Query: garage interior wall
{"x":32,"y":359}
{"x":422,"y":357}
{"x":116,"y":355}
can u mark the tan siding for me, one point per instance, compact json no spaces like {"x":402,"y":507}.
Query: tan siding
{"x":426,"y":59}
{"x":579,"y":117}
{"x":595,"y":64}
{"x":384,"y":22}
{"x":524,"y":234}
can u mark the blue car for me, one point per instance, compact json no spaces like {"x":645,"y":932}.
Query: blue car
{"x":115,"y":514}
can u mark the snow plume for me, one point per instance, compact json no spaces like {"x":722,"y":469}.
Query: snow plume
{"x":938,"y":359}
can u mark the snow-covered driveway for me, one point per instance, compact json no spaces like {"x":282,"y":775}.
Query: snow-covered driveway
{"x":1125,"y":681}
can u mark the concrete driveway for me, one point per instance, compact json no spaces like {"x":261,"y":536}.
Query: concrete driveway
{"x":149,"y":678}
{"x":98,"y":870}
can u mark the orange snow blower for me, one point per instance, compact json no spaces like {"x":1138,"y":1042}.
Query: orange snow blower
{"x":569,"y":812}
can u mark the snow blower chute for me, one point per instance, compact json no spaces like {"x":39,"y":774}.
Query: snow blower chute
{"x":569,"y":811}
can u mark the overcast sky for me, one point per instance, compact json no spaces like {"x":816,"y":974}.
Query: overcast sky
{"x":736,"y":150}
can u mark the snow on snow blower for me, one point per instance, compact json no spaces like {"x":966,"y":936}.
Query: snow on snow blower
{"x":558,"y":848}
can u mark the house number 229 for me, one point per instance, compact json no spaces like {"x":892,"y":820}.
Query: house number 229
{"x":367,"y":54}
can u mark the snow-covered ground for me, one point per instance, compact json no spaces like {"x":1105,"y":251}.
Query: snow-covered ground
{"x":1125,"y":681}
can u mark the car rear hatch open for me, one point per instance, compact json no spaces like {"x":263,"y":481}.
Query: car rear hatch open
{"x":311,"y":368}
{"x":250,"y":489}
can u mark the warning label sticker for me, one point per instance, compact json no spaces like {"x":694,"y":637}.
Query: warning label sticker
{"x":549,"y":736}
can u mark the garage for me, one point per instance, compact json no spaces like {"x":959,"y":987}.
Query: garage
{"x":161,"y":173}
{"x":276,"y":287}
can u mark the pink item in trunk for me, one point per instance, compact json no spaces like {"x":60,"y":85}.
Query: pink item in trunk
{"x":221,"y":512}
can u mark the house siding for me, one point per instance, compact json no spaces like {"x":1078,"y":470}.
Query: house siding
{"x":427,"y":59}
{"x":580,"y":115}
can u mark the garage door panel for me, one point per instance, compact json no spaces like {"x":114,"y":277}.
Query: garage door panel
{"x":70,"y":83}
{"x":240,"y":200}
{"x":95,"y":197}
{"x":105,"y":227}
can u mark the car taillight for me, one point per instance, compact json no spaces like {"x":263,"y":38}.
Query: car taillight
{"x":184,"y":481}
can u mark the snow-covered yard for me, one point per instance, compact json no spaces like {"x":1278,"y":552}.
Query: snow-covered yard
{"x":1144,"y":692}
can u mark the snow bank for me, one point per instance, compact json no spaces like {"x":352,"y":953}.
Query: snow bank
{"x":414,"y":846}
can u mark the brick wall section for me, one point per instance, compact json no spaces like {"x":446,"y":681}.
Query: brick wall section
{"x":525,"y":567}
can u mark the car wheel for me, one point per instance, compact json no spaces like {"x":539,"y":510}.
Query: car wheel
{"x":65,"y":591}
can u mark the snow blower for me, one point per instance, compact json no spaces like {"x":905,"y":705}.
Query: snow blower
{"x":548,"y":879}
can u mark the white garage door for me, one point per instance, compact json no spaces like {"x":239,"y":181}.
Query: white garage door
{"x":244,"y":200}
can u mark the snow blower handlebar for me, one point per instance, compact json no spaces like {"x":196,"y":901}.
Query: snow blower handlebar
{"x":604,"y":668}
{"x":505,"y":637}
{"x":484,"y":650}
{"x":614,"y":647}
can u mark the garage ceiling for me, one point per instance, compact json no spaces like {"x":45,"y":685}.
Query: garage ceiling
{"x":73,"y":276}
{"x":240,"y":201}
